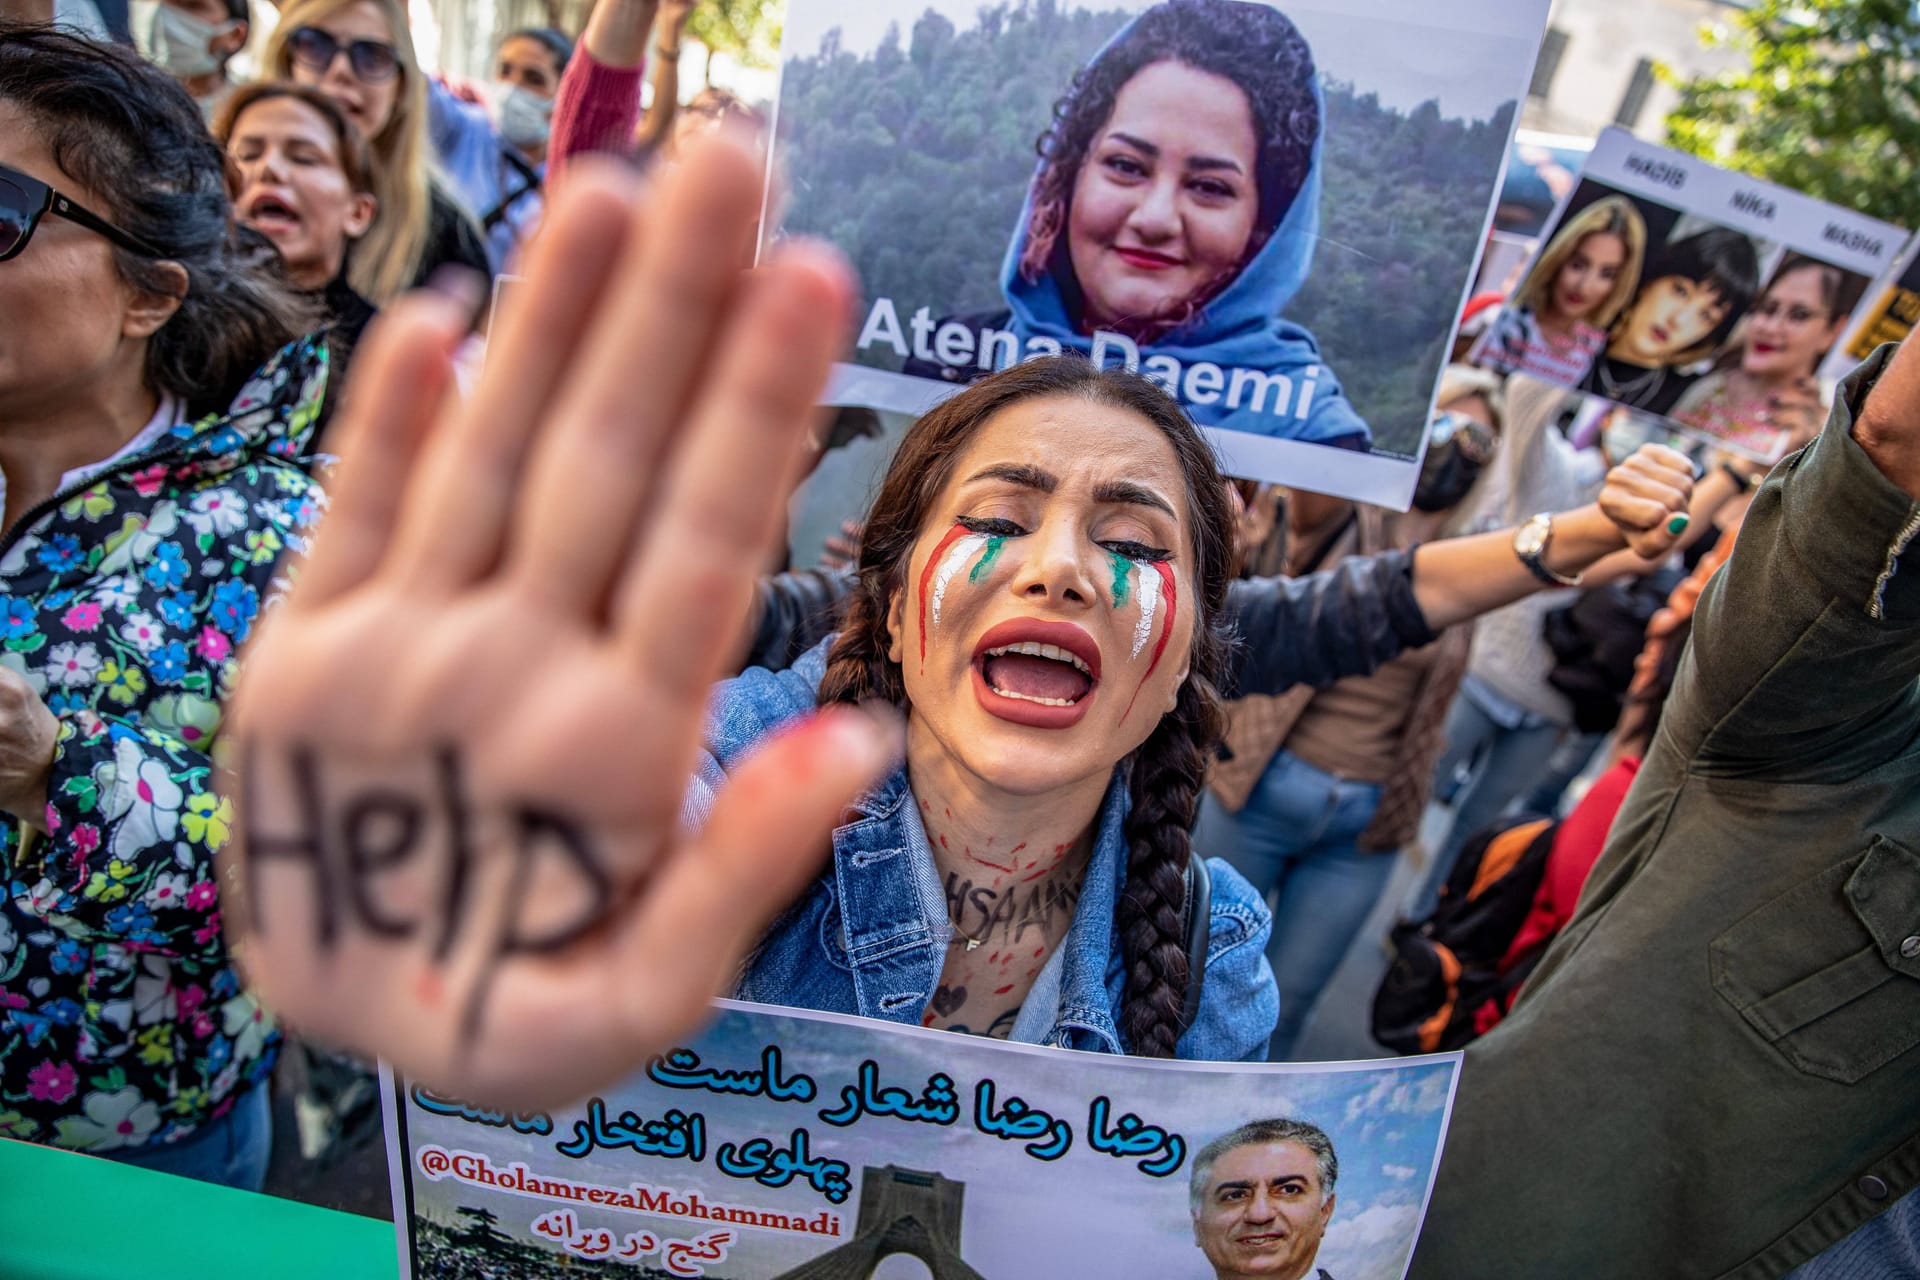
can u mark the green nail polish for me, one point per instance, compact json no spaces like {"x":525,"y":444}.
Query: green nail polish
{"x":1679,"y":523}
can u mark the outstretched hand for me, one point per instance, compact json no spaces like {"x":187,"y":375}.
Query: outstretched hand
{"x":464,"y":741}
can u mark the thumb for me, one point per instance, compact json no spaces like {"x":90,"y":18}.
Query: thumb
{"x":770,"y":824}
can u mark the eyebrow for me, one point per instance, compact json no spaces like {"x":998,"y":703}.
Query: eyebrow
{"x":1026,"y":477}
{"x":1137,"y":495}
{"x":1193,"y":162}
{"x":1112,"y":491}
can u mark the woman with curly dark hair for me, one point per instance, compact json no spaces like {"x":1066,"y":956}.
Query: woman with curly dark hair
{"x":1175,"y":208}
{"x":152,"y":402}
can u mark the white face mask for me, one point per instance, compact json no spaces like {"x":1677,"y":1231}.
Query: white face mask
{"x":177,"y":42}
{"x":525,"y":119}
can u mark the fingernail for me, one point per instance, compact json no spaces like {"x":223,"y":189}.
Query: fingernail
{"x":1678,"y":525}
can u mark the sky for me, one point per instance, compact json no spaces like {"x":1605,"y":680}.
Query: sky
{"x":1088,"y":1213}
{"x":1480,"y":58}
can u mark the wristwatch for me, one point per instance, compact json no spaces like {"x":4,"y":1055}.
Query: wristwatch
{"x":1530,"y":542}
{"x":1746,"y":480}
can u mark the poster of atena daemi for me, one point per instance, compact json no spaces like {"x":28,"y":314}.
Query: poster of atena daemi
{"x":1273,"y":210}
{"x":780,"y":1144}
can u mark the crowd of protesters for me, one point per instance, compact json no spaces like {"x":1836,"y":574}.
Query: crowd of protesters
{"x":1696,"y":697}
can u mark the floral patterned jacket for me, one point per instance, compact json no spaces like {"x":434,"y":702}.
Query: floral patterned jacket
{"x":122,"y":1022}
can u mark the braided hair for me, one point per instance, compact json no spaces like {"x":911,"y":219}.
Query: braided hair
{"x":1165,"y":772}
{"x":1256,"y":47}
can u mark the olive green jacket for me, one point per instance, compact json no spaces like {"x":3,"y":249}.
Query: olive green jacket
{"x":1715,"y":1071}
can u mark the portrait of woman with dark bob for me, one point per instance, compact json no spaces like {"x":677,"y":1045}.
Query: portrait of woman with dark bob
{"x":1176,"y":204}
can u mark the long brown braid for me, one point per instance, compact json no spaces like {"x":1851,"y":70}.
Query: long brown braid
{"x":1165,"y":772}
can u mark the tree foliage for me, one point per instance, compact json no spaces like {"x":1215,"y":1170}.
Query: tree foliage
{"x":1828,"y":103}
{"x":746,"y":30}
{"x":915,"y":160}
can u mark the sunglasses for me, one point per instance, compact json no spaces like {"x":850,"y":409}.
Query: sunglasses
{"x":371,"y":60}
{"x":24,"y":201}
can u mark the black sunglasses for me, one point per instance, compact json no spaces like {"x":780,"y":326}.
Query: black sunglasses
{"x":315,"y":50}
{"x":24,"y":201}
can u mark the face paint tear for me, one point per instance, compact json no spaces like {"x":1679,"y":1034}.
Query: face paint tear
{"x":963,"y":550}
{"x":1122,"y":567}
{"x":985,"y":566}
{"x":1149,"y":601}
{"x":926,"y":576}
{"x":1169,"y":590}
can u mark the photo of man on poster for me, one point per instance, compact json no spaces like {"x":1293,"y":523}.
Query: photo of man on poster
{"x":1261,"y":1198}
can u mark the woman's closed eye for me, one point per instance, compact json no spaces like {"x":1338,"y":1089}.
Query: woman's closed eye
{"x":1124,"y":165}
{"x":999,"y":527}
{"x":991,"y":526}
{"x":1137,"y":551}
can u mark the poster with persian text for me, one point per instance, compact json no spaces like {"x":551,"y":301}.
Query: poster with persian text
{"x":1888,"y":314}
{"x":1675,"y":288}
{"x":781,"y":1144}
{"x":1271,"y":208}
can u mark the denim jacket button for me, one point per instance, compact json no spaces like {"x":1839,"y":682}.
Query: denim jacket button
{"x":1910,"y":947}
{"x":1871,"y":1187}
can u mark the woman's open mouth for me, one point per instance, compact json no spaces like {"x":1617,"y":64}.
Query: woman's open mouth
{"x":268,"y":213}
{"x":1040,"y":674}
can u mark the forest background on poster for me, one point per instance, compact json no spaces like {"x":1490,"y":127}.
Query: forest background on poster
{"x":958,"y":113}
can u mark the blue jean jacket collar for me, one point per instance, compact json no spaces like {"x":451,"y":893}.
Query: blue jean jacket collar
{"x":895,"y":928}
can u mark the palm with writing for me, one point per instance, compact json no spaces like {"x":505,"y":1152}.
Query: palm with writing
{"x":464,"y":741}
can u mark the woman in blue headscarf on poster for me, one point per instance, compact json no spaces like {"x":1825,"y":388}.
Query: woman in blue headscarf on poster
{"x":1173,"y":215}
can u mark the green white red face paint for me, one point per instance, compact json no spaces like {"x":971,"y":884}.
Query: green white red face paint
{"x":1149,"y":582}
{"x":1147,"y":590}
{"x":950,"y":555}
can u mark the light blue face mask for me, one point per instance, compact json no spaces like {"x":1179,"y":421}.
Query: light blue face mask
{"x":525,"y":119}
{"x":175,"y":41}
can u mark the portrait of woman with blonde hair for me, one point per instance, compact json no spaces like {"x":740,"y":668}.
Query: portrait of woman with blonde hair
{"x":1557,"y":322}
{"x":360,"y":54}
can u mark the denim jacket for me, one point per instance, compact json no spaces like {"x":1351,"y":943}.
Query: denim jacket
{"x":870,"y":935}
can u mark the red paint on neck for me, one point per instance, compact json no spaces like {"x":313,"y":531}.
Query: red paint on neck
{"x":1171,"y":594}
{"x":926,"y":580}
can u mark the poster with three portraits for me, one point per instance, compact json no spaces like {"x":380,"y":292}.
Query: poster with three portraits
{"x":1272,"y":209}
{"x":1673,"y":288}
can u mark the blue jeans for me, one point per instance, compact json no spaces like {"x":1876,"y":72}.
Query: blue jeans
{"x":1295,"y":843}
{"x":1887,"y":1248}
{"x":1504,"y":760}
{"x":231,"y":1151}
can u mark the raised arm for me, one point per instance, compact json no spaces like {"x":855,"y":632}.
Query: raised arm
{"x":1644,"y":510}
{"x":1811,"y":633}
{"x":1352,"y":619}
{"x":668,"y":29}
{"x":599,"y":97}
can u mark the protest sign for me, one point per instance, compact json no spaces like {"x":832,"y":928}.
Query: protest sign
{"x":1891,"y":309}
{"x":782,"y":1143}
{"x":1272,"y":210}
{"x":1672,"y":287}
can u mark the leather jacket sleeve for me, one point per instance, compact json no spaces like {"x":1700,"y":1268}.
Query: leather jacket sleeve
{"x":1349,"y":620}
{"x":792,"y":612}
